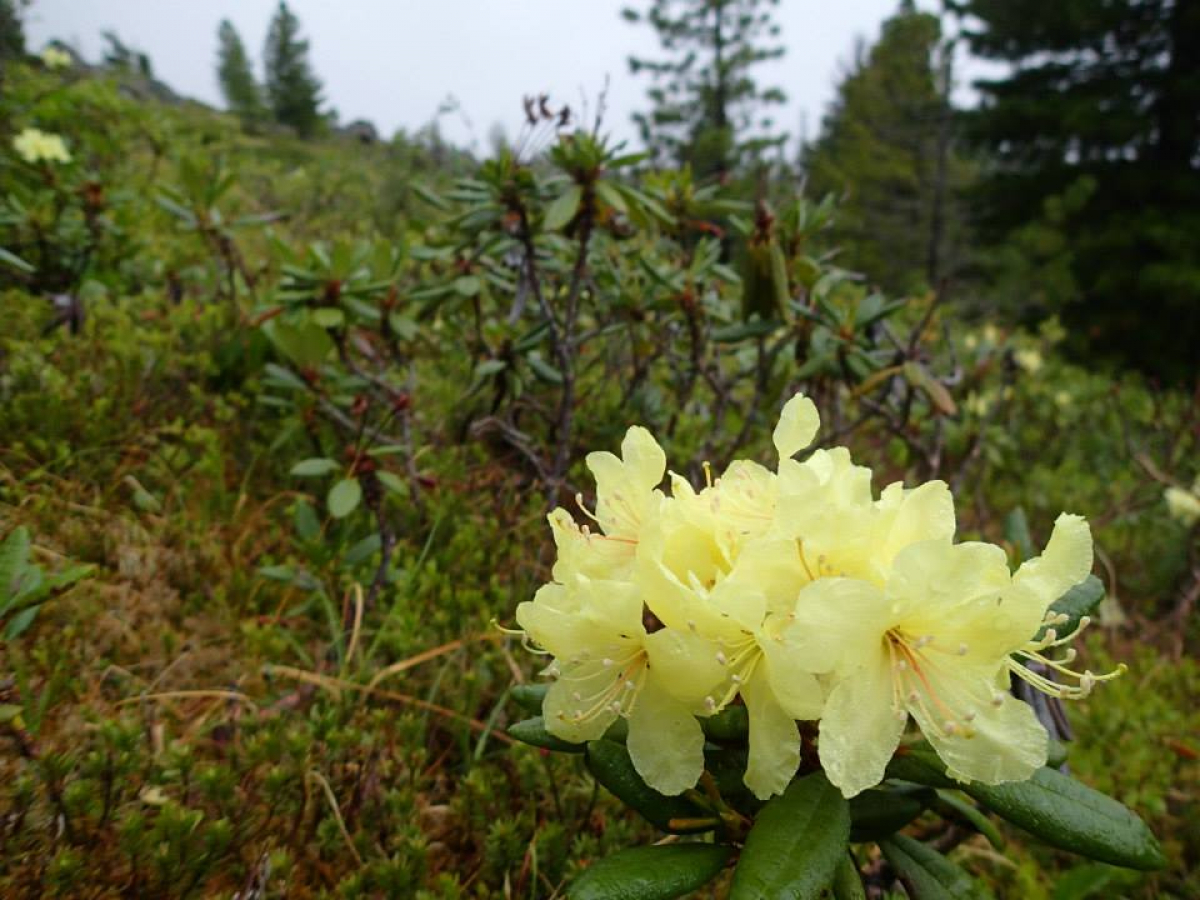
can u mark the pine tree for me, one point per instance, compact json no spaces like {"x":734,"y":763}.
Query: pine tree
{"x":708,"y":111}
{"x":887,"y":149}
{"x":12,"y":32}
{"x":241,"y":91}
{"x":293,"y":91}
{"x":1108,"y":95}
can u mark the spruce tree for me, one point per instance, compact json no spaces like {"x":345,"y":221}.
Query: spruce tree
{"x":886,"y":148}
{"x":242,"y":94}
{"x":1105,"y":95}
{"x":293,"y":91}
{"x":12,"y":33}
{"x":708,"y":111}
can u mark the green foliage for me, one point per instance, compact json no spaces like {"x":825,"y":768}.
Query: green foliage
{"x":292,"y":89}
{"x":1125,"y":119}
{"x":708,"y":112}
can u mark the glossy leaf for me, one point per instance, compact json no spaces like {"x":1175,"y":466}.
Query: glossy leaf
{"x":651,"y":873}
{"x":309,"y":468}
{"x":879,"y":812}
{"x":533,"y":732}
{"x":796,"y":844}
{"x":926,"y":873}
{"x":610,"y":765}
{"x":563,"y":209}
{"x":1067,"y":814}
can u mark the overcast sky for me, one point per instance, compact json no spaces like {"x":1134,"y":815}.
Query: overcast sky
{"x":396,"y":62}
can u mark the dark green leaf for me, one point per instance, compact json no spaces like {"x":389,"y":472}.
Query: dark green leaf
{"x":529,"y":696}
{"x":20,"y":623}
{"x":796,"y":844}
{"x":847,"y":882}
{"x":879,"y":812}
{"x":651,"y":873}
{"x":1081,"y":600}
{"x":533,"y":731}
{"x":729,"y":725}
{"x":926,"y":873}
{"x":610,"y":764}
{"x":1067,"y":814}
{"x":1016,"y":532}
{"x":953,"y":806}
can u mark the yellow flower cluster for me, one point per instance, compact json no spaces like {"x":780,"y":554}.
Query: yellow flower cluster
{"x":1184,"y":506}
{"x":55,"y":58}
{"x":35,"y":146}
{"x":799,"y":594}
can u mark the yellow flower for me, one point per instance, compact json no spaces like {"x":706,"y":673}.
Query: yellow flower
{"x":1030,"y":360}
{"x":55,"y":58}
{"x":798,"y":593}
{"x":36,"y":146}
{"x":936,"y":642}
{"x":1183,"y":506}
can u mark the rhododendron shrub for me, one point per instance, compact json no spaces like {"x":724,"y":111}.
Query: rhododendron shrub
{"x":830,"y":648}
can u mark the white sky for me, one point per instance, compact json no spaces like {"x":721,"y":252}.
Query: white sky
{"x":395,"y":62}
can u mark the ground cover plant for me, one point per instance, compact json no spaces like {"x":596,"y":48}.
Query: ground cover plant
{"x":282,"y":421}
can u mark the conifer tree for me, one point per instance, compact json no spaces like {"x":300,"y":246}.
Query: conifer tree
{"x":12,"y":33}
{"x":708,"y":110}
{"x":886,"y":148}
{"x":1104,"y":95}
{"x":293,"y":91}
{"x":242,"y":93}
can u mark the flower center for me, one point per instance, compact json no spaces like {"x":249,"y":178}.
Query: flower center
{"x":914,"y":674}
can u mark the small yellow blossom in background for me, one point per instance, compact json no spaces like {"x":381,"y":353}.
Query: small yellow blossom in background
{"x":1030,"y":360}
{"x":991,"y":334}
{"x":971,"y":341}
{"x":798,"y":593}
{"x":54,"y":58}
{"x":1184,"y":506}
{"x":34,"y":146}
{"x":1064,"y":399}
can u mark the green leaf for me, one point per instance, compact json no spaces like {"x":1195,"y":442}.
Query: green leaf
{"x":730,"y":725}
{"x":309,"y":468}
{"x":610,"y":764}
{"x":847,"y":882}
{"x":15,"y":261}
{"x":919,"y":763}
{"x":651,"y":873}
{"x":392,"y":482}
{"x":533,"y":732}
{"x":14,"y":559}
{"x":1081,"y":600}
{"x":468,"y":285}
{"x":953,"y":806}
{"x":563,"y":209}
{"x":329,"y":317}
{"x":731,"y":334}
{"x":610,"y":196}
{"x":919,"y":377}
{"x":1016,"y":532}
{"x":879,"y":812}
{"x":544,"y":370}
{"x":304,"y":519}
{"x":796,"y":844}
{"x":344,"y":497}
{"x":926,"y":873}
{"x":1071,"y":816}
{"x":20,"y":623}
{"x":529,"y":696}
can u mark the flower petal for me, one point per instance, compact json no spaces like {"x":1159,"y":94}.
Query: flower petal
{"x":569,"y":696}
{"x":837,"y":622}
{"x":774,"y":740}
{"x":665,"y":741}
{"x":860,"y":729}
{"x":1002,"y":741}
{"x":1064,"y":563}
{"x":792,"y":681}
{"x":685,"y":664}
{"x":798,"y":425}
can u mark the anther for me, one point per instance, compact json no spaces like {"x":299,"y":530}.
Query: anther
{"x":963,"y":649}
{"x":721,"y":658}
{"x":607,"y":663}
